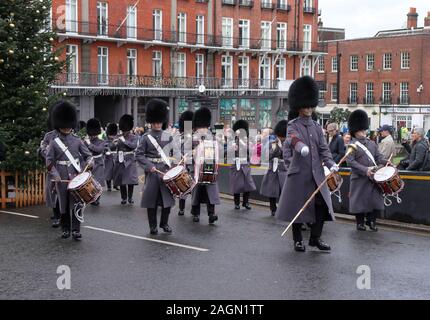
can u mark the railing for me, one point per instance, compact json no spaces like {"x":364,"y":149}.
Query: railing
{"x":202,"y":1}
{"x":404,"y":100}
{"x":352,"y":100}
{"x":283,"y":6}
{"x":386,"y":100}
{"x":309,"y":10}
{"x":229,"y":2}
{"x":369,"y":100}
{"x":246,"y":3}
{"x":185,"y":38}
{"x":140,"y":81}
{"x":267,"y":4}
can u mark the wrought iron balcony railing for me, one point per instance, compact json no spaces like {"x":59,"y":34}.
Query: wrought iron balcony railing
{"x":386,"y":100}
{"x":229,"y":2}
{"x":404,"y":100}
{"x":246,"y":3}
{"x":283,"y":6}
{"x":353,"y":100}
{"x":309,"y":10}
{"x":369,"y":100}
{"x":267,"y":4}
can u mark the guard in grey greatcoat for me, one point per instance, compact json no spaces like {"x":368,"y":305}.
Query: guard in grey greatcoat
{"x":183,"y":140}
{"x":155,"y":193}
{"x":240,"y":172}
{"x":366,"y":199}
{"x":274,"y":179}
{"x":51,"y":198}
{"x":97,"y":147}
{"x":204,"y":192}
{"x":125,"y":169}
{"x":62,"y":169}
{"x":305,"y":149}
{"x":110,"y":153}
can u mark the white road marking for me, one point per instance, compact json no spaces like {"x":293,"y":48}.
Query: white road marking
{"x":20,"y":214}
{"x":149,"y":239}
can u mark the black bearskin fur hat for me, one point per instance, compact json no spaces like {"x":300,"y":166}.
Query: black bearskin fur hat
{"x":357,"y":121}
{"x":112,"y":129}
{"x":281,"y":129}
{"x":94,"y":127}
{"x":202,"y":118}
{"x":303,"y":93}
{"x":64,"y":115}
{"x":185,"y":116}
{"x":241,"y":124}
{"x":126,"y":123}
{"x":157,"y":111}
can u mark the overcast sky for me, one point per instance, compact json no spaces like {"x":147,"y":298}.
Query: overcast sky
{"x":364,"y":18}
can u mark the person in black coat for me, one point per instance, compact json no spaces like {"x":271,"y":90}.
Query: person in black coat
{"x":335,"y":142}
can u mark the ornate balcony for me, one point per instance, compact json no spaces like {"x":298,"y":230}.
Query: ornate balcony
{"x":267,"y":4}
{"x":229,"y":2}
{"x":246,"y":3}
{"x":283,"y":6}
{"x":311,"y":10}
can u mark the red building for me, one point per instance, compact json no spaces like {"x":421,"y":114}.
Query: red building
{"x":236,"y":56}
{"x":388,"y":75}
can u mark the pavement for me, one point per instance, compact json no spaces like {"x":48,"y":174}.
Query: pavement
{"x":242,"y":256}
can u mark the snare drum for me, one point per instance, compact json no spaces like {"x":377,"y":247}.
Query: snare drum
{"x":335,"y":181}
{"x":179,"y":181}
{"x":85,"y":188}
{"x":206,"y":164}
{"x":388,"y":179}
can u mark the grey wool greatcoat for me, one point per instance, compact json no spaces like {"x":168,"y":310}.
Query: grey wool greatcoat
{"x":273,"y":181}
{"x":364,"y":194}
{"x":154,"y":184}
{"x":79,"y":151}
{"x":97,"y":148}
{"x":212,"y":190}
{"x":50,"y":192}
{"x":125,"y":172}
{"x":241,"y":180}
{"x":110,"y":156}
{"x":304,"y":173}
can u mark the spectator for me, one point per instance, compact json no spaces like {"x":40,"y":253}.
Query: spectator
{"x":346,"y":139}
{"x":256,"y":151}
{"x":335,"y":142}
{"x":428,"y":134}
{"x":387,"y":146}
{"x":417,"y":152}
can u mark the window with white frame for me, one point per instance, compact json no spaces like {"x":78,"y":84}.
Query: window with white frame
{"x":131,"y":22}
{"x":264,"y":73}
{"x":266,"y":34}
{"x":334,"y":64}
{"x":387,"y":61}
{"x":103,"y":65}
{"x":181,"y":65}
{"x":131,"y":65}
{"x":281,"y":35}
{"x":156,"y":64}
{"x":244,"y":33}
{"x":404,"y":92}
{"x":200,"y":66}
{"x":334,"y":92}
{"x":370,"y":62}
{"x":72,"y":16}
{"x":321,"y":65}
{"x":227,"y":71}
{"x":281,"y":69}
{"x":353,"y":63}
{"x":200,"y":29}
{"x":157,"y":24}
{"x":405,"y":58}
{"x":353,"y":88}
{"x":182,"y":27}
{"x":72,"y":63}
{"x":243,"y":65}
{"x":370,"y":96}
{"x":307,"y":67}
{"x":307,"y":37}
{"x":386,"y":92}
{"x":227,"y":32}
{"x":308,"y":3}
{"x":102,"y":18}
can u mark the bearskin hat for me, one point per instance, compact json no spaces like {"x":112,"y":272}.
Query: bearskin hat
{"x":64,"y":115}
{"x":303,"y":93}
{"x":126,"y":122}
{"x":292,"y":115}
{"x":94,"y":127}
{"x":185,"y":116}
{"x":202,"y":118}
{"x":112,"y":129}
{"x":157,"y":111}
{"x":281,"y":129}
{"x":241,"y":124}
{"x":357,"y":121}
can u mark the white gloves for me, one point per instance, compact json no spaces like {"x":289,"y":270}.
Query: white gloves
{"x":334,"y":168}
{"x":122,"y":139}
{"x":304,"y":151}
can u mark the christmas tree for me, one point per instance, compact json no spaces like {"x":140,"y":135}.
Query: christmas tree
{"x":28,"y":66}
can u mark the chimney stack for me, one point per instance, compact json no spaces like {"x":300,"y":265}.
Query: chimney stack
{"x":412,"y":18}
{"x":427,"y":20}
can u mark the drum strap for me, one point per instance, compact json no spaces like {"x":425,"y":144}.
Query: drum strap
{"x":363,"y":147}
{"x":275,"y":164}
{"x":160,"y":151}
{"x":68,"y":154}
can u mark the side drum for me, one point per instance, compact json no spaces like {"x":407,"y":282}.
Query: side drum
{"x":388,"y":179}
{"x":179,"y":181}
{"x":84,"y":188}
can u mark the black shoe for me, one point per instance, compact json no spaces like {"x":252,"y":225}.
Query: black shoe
{"x":109,"y":189}
{"x":372,"y":226}
{"x":213,"y":218}
{"x":319,"y":244}
{"x":154,"y":231}
{"x":237,"y":207}
{"x":273,"y":213}
{"x":95,"y":203}
{"x":166,"y":228}
{"x":303,"y":227}
{"x":299,"y":246}
{"x":196,"y":218}
{"x":55,"y":223}
{"x":361,"y":227}
{"x":123,"y":202}
{"x":181,"y":213}
{"x":247,"y":206}
{"x":130,"y":201}
{"x":65,"y":234}
{"x":116,"y":188}
{"x":76,"y":235}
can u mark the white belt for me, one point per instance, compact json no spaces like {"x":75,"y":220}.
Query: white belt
{"x":128,"y":152}
{"x":66,"y":162}
{"x":108,"y":153}
{"x":156,"y":160}
{"x":97,"y":156}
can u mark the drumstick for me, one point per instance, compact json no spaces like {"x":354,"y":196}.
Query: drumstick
{"x":389,"y":159}
{"x":158,"y":171}
{"x":183,"y":158}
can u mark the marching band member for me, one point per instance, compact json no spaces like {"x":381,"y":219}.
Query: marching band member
{"x":97,"y":147}
{"x":110,"y":153}
{"x":151,"y":156}
{"x":204,"y":192}
{"x":183,"y":138}
{"x":240,"y":173}
{"x":306,"y":142}
{"x":63,"y":163}
{"x":125,"y":169}
{"x":274,"y":179}
{"x":366,"y":199}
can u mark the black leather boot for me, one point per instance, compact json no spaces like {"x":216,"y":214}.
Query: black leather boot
{"x":165,"y":212}
{"x":299,"y":246}
{"x":361,"y":227}
{"x":321,"y":245}
{"x":76,"y":235}
{"x":372,"y":226}
{"x":247,"y":206}
{"x":65,"y":234}
{"x":55,"y":223}
{"x":196,"y":218}
{"x":213,"y":218}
